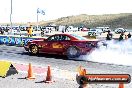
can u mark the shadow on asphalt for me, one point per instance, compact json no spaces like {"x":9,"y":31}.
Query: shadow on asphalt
{"x":40,"y":82}
{"x":46,"y":55}
{"x":63,"y":57}
{"x":22,"y":78}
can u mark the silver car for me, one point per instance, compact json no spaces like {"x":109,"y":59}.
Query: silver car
{"x":120,"y":30}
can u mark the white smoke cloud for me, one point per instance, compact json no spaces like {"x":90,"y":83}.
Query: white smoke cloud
{"x":116,"y":53}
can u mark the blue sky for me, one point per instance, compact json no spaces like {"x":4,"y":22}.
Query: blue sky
{"x":25,"y":10}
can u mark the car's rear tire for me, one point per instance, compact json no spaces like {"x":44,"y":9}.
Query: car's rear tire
{"x":34,"y":50}
{"x":73,"y":52}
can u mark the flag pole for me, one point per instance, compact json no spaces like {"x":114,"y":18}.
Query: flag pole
{"x":11,"y":17}
{"x":38,"y":11}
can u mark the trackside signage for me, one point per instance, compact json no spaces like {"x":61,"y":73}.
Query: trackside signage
{"x":11,"y":40}
{"x":104,"y":78}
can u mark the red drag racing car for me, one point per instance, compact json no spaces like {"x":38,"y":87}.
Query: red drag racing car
{"x":65,"y":44}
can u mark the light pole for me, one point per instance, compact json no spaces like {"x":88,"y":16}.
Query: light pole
{"x":37,"y":17}
{"x":11,"y":17}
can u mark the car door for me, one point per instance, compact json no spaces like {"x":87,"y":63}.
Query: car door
{"x":52,"y":45}
{"x":65,"y":42}
{"x":44,"y":46}
{"x":56,"y":45}
{"x":60,"y":43}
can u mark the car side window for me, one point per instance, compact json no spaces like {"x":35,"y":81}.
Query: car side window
{"x":50,"y":38}
{"x":53,"y":38}
{"x":58,"y":38}
{"x":65,"y":38}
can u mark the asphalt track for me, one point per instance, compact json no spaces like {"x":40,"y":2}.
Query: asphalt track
{"x":19,"y":56}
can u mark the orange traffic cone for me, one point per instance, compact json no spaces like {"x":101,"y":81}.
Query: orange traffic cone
{"x":48,"y":77}
{"x":83,"y":72}
{"x":121,"y":85}
{"x":80,"y":70}
{"x":30,"y":72}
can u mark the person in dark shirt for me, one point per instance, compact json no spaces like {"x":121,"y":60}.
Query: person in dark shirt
{"x":129,"y":35}
{"x":121,"y":36}
{"x":109,"y":36}
{"x":2,"y":32}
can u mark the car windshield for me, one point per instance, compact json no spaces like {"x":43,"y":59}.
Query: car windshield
{"x":78,"y":37}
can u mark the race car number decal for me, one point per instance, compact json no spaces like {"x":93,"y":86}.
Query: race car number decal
{"x":56,"y":45}
{"x":43,"y":45}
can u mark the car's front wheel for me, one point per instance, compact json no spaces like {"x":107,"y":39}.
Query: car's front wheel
{"x":34,"y":49}
{"x":73,"y":52}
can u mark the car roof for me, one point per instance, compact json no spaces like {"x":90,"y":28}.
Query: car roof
{"x":62,"y":34}
{"x":73,"y":38}
{"x":69,"y":35}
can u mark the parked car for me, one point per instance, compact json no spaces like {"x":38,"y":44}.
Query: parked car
{"x":104,"y":29}
{"x":95,"y":32}
{"x":120,"y":30}
{"x":70,"y":45}
{"x":85,"y":29}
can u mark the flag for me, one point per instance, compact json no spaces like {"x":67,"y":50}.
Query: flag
{"x":40,"y":11}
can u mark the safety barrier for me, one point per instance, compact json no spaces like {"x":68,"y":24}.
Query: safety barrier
{"x":12,"y":40}
{"x":6,"y":69}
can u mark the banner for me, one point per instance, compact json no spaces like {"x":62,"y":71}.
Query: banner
{"x":15,"y":41}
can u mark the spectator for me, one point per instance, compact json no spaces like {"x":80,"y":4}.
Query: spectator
{"x":42,"y":33}
{"x":62,"y":30}
{"x":129,"y":35}
{"x":126,"y":37}
{"x":2,"y":32}
{"x":121,"y":36}
{"x":29,"y":31}
{"x":109,"y":36}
